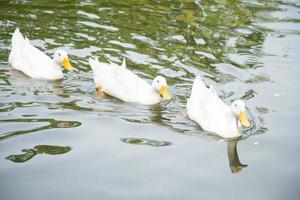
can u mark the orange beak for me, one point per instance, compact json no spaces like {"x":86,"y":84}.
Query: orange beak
{"x":244,"y":119}
{"x":67,"y":65}
{"x":165,"y":93}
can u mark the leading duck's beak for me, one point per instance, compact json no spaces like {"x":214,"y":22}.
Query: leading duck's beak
{"x":67,"y":64}
{"x":164,"y":92}
{"x":244,"y":119}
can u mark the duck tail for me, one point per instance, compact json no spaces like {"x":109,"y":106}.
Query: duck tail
{"x":18,"y":39}
{"x":198,"y":83}
{"x":93,"y":59}
{"x":199,"y":89}
{"x":93,"y":62}
{"x":17,"y":43}
{"x":123,"y":65}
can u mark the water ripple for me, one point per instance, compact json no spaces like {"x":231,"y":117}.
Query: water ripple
{"x":178,"y":40}
{"x":39,"y":149}
{"x":37,"y":123}
{"x":144,"y":141}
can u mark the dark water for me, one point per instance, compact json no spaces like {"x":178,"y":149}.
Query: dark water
{"x":58,"y":140}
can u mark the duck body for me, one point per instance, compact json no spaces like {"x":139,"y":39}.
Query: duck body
{"x":31,"y":61}
{"x":121,"y":83}
{"x":117,"y":81}
{"x":210,"y":112}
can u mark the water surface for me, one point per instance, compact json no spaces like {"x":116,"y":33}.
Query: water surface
{"x":59,"y":140}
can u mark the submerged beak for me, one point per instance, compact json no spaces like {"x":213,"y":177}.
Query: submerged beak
{"x":67,"y":64}
{"x":244,"y":119}
{"x":164,"y":92}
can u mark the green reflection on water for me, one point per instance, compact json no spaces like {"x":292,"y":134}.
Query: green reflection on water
{"x":39,"y":149}
{"x":177,"y":39}
{"x":52,"y":123}
{"x":223,"y":40}
{"x":144,"y":141}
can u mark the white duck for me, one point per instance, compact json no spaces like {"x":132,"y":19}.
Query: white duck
{"x":212,"y":114}
{"x":115,"y":80}
{"x":34,"y":63}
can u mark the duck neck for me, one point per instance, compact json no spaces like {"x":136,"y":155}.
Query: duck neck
{"x":56,"y":65}
{"x":155,"y":93}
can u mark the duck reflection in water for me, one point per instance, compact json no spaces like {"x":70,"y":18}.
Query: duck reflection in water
{"x":26,"y":85}
{"x":234,"y":162}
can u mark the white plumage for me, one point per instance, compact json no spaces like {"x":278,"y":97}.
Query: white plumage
{"x":123,"y":84}
{"x":34,"y":63}
{"x":212,"y":114}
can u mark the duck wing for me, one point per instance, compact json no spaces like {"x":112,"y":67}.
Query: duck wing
{"x":129,"y":86}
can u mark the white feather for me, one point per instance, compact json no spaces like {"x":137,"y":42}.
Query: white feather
{"x":121,"y":83}
{"x":210,"y":112}
{"x":30,"y":60}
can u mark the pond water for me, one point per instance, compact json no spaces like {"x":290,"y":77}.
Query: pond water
{"x":59,"y":140}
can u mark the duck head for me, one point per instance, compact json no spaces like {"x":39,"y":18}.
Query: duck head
{"x":62,"y":59}
{"x":238,"y":109}
{"x":160,"y":86}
